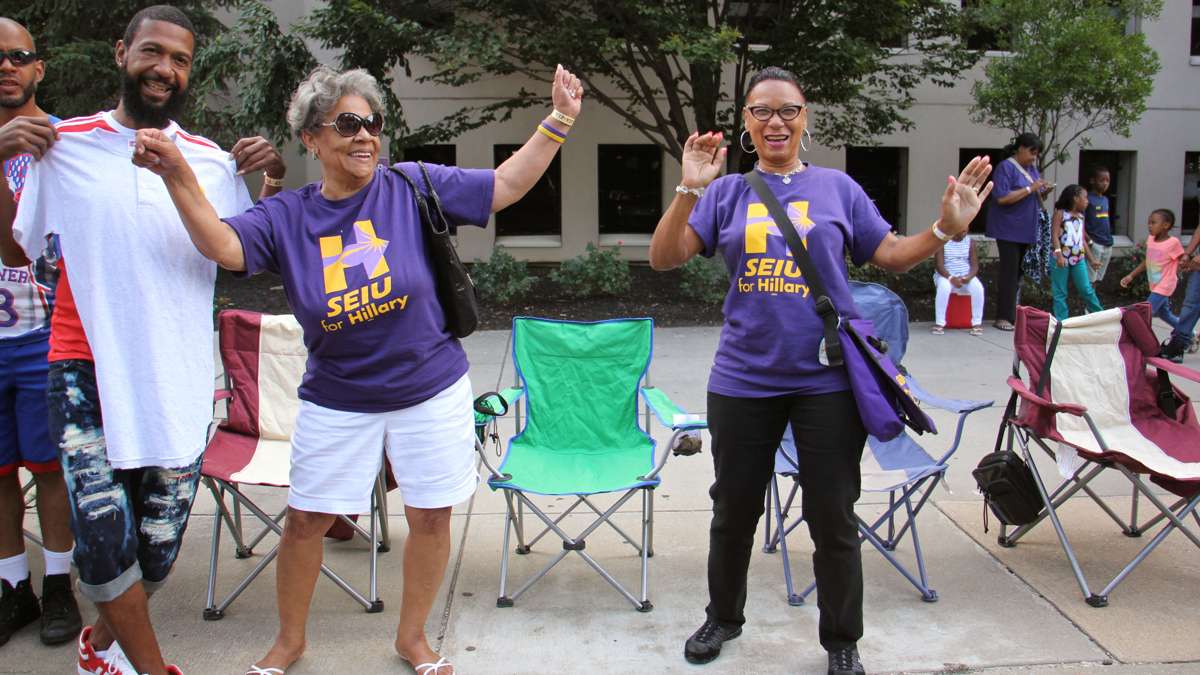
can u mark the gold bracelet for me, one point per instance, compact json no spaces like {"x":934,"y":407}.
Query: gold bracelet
{"x":562,"y":117}
{"x":273,"y":182}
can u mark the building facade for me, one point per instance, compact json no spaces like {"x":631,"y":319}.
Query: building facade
{"x":608,"y":185}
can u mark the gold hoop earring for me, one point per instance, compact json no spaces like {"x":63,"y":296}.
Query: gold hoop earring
{"x":742,"y":142}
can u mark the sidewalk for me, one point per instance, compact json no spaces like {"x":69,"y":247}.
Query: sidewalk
{"x":1001,"y":610}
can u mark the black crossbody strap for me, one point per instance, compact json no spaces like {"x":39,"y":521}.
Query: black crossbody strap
{"x":824,"y":304}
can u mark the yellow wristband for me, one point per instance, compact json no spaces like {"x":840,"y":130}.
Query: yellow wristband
{"x":550,"y":134}
{"x":562,"y":117}
{"x":273,"y":182}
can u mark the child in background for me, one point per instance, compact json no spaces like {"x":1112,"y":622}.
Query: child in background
{"x":1096,"y":222}
{"x":1071,"y":252}
{"x":1163,"y":253}
{"x":956,"y":272}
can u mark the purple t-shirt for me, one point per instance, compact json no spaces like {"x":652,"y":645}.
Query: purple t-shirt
{"x":359,"y":280}
{"x":771,"y":334}
{"x":1015,"y":222}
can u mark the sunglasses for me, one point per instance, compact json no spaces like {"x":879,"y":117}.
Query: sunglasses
{"x":19,"y":57}
{"x":347,"y":124}
{"x":763,"y":113}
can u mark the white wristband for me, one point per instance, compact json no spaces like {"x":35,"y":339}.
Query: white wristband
{"x":685,"y":190}
{"x":937,"y":232}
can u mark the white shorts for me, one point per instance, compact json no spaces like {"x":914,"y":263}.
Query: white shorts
{"x":336,"y":455}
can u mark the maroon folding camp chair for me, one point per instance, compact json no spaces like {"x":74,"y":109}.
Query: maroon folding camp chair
{"x":1098,"y":397}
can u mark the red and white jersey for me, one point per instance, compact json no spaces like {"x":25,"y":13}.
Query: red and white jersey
{"x":134,"y":296}
{"x":26,"y":293}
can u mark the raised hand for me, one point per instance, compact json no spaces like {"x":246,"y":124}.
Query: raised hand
{"x":33,"y":135}
{"x":566,"y":92}
{"x":703,"y":158}
{"x":155,"y":151}
{"x":255,"y":153}
{"x":965,"y":195}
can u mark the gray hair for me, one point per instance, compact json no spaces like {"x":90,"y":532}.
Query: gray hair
{"x":323,"y":88}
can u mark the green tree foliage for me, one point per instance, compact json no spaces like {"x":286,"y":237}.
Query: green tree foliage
{"x":241,"y":79}
{"x":663,"y":67}
{"x":1071,"y":70}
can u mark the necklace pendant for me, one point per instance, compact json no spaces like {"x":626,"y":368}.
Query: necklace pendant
{"x":787,"y":180}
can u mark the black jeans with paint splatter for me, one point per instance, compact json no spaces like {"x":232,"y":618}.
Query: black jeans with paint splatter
{"x":128,"y":523}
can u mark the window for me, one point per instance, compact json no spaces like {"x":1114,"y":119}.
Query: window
{"x":445,"y":155}
{"x":630,"y":178}
{"x":1195,"y":30}
{"x":755,"y":20}
{"x":979,"y":225}
{"x":1121,"y":167}
{"x":1189,"y":215}
{"x":980,"y":35}
{"x":538,"y":213}
{"x":883,"y":174}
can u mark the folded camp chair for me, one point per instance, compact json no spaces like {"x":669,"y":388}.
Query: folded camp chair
{"x":264,"y":358}
{"x":899,"y":467}
{"x":29,"y":495}
{"x":581,"y":437}
{"x":1097,"y":390}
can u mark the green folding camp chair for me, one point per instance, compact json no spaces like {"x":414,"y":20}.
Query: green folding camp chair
{"x":581,"y":436}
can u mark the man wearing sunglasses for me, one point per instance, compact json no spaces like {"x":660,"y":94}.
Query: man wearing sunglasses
{"x":26,"y":303}
{"x":132,"y":333}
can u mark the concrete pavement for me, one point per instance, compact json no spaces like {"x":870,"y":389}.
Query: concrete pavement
{"x":1000,"y":610}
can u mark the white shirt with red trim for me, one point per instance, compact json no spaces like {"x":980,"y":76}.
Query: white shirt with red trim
{"x":143,"y":293}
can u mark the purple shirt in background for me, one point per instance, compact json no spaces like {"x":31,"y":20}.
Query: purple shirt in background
{"x":1015,"y":222}
{"x":359,"y":280}
{"x":771,"y":333}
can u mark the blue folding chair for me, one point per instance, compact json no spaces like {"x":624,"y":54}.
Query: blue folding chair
{"x":899,"y":467}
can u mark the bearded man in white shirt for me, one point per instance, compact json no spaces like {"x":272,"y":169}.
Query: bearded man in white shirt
{"x":131,"y":340}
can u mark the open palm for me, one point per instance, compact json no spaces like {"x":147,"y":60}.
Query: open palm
{"x":703,"y":158}
{"x":965,"y":196}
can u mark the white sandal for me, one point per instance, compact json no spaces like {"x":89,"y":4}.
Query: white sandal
{"x":432,"y":668}
{"x":255,"y":670}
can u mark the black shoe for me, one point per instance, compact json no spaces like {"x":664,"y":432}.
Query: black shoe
{"x":1173,"y":350}
{"x":845,"y":661}
{"x":705,"y":643}
{"x":18,"y":607}
{"x":60,"y":614}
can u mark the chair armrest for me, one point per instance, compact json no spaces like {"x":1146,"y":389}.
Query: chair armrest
{"x":666,"y":410}
{"x":1173,"y":368}
{"x":221,"y":395}
{"x":948,"y":404}
{"x":1023,"y":391}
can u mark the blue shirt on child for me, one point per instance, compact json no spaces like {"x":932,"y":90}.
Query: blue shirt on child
{"x":1096,"y":220}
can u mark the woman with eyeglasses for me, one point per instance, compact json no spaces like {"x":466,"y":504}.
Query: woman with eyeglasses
{"x":383,"y":372}
{"x":768,"y":371}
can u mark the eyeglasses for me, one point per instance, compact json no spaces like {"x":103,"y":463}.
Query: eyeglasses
{"x":19,"y":57}
{"x":763,"y":113}
{"x":347,"y":124}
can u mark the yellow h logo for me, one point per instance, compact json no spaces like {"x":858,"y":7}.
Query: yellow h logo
{"x":759,"y":225}
{"x":367,"y":250}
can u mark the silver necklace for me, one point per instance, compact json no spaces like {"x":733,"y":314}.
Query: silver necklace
{"x":787,"y":177}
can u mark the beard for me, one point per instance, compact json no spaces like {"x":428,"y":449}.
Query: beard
{"x":20,"y":99}
{"x":145,"y":113}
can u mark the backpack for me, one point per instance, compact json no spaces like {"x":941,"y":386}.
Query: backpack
{"x":1008,"y":488}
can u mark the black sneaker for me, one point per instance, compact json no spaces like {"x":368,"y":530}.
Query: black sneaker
{"x":60,"y":614}
{"x":705,"y":644}
{"x":1173,"y":350}
{"x":845,"y":661}
{"x":18,"y":607}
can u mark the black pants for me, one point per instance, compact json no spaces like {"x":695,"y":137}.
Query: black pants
{"x":829,"y":441}
{"x":1008,"y":281}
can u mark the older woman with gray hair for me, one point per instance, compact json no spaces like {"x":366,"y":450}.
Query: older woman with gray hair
{"x":382,"y":369}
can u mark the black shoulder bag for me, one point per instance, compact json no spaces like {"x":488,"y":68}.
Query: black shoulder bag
{"x":455,"y":290}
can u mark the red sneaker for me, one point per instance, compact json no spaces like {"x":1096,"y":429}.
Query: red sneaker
{"x":90,"y":663}
{"x":174,"y":670}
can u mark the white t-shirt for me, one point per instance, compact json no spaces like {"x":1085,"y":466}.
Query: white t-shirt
{"x":143,"y":292}
{"x":956,"y":257}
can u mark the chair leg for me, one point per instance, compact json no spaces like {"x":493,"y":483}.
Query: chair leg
{"x":647,"y":527}
{"x":211,"y":613}
{"x":927,"y":593}
{"x":385,"y":538}
{"x":509,"y":524}
{"x":522,"y":548}
{"x":1133,"y":530}
{"x":239,"y":535}
{"x":777,"y":510}
{"x":650,"y":524}
{"x":376,"y":603}
{"x":1050,"y":512}
{"x":1175,"y":524}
